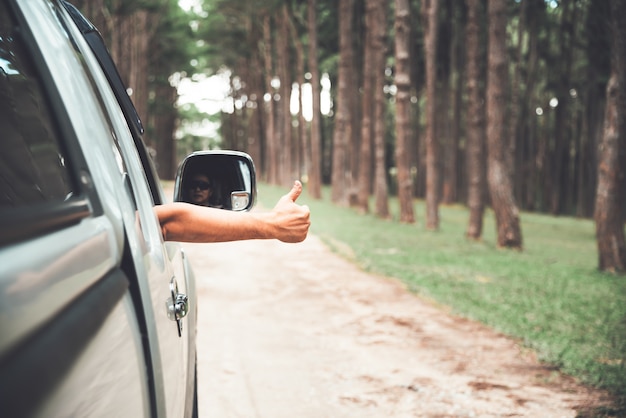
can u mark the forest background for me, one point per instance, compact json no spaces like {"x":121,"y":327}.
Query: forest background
{"x":513,"y":105}
{"x":505,"y":104}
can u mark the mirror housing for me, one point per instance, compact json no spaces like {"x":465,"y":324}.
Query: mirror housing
{"x":231,"y":175}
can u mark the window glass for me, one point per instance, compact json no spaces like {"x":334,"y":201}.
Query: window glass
{"x":33,"y":165}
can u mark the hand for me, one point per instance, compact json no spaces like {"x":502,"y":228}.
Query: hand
{"x":291,"y":220}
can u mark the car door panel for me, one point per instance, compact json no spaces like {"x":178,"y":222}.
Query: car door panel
{"x":118,"y":240}
{"x":60,"y":353}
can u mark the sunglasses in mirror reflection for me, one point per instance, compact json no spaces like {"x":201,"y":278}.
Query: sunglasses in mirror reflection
{"x":199,"y":184}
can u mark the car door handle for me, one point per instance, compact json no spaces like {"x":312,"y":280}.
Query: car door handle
{"x":181,"y":306}
{"x":177,"y":306}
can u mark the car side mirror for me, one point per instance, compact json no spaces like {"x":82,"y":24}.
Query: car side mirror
{"x":222,"y":179}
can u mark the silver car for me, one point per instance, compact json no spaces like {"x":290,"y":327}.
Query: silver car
{"x":97,"y":312}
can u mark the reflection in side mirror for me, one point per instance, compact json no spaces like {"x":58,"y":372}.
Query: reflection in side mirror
{"x":220,"y":179}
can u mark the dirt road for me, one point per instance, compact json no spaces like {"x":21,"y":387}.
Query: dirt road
{"x":295,"y":331}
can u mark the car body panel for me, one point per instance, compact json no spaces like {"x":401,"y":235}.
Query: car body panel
{"x":129,"y":359}
{"x":67,"y":262}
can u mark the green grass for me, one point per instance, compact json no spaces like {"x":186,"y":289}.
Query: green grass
{"x":550,"y":296}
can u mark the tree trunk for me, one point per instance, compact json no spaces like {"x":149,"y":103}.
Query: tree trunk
{"x":381,"y":189}
{"x":457,"y":65}
{"x":284,"y":154}
{"x":301,"y":142}
{"x":475,"y":131}
{"x":315,"y":168}
{"x":367,"y":106}
{"x":403,"y":111}
{"x":164,"y":127}
{"x":446,"y":68}
{"x":430,"y":9}
{"x":503,"y":201}
{"x":270,"y":134}
{"x":515,"y":107}
{"x":530,"y":164}
{"x":610,"y":193}
{"x":597,"y":73}
{"x":256,"y":86}
{"x":343,"y":123}
{"x":354,"y":84}
{"x":562,"y":133}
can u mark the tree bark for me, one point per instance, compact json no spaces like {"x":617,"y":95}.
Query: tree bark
{"x":367,"y":107}
{"x":445,"y":103}
{"x":164,"y":127}
{"x":343,"y":117}
{"x":283,"y":56}
{"x":531,"y":165}
{"x":403,"y":111}
{"x":301,"y":142}
{"x":457,"y":66}
{"x":500,"y":188}
{"x":562,"y":133}
{"x":430,"y":11}
{"x":610,"y":193}
{"x":381,"y":189}
{"x":475,"y":131}
{"x":315,"y":167}
{"x":270,"y":135}
{"x":515,"y":106}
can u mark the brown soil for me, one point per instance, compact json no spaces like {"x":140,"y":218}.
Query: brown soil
{"x":296,"y":331}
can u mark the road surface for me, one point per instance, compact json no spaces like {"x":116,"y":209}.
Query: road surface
{"x":293,"y":330}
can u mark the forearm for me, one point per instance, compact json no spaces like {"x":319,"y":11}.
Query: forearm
{"x":190,"y":223}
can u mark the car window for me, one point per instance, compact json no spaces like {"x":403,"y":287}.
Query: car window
{"x":33,"y":165}
{"x":96,"y":44}
{"x":44,"y":182}
{"x":132,"y":166}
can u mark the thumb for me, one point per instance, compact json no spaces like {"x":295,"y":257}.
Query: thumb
{"x":295,"y":191}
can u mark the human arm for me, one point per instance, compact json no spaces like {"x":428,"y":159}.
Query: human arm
{"x":288,"y":222}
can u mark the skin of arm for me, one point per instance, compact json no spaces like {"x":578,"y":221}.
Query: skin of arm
{"x":184,"y":222}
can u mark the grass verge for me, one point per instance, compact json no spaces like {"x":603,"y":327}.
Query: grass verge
{"x":550,"y":296}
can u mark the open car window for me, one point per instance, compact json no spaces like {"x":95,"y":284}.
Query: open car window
{"x":96,"y":44}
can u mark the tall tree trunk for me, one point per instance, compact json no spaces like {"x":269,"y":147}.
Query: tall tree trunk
{"x":255,"y":140}
{"x":418,"y":156}
{"x":301,"y":142}
{"x":457,"y":65}
{"x":285,"y":156}
{"x":403,"y":110}
{"x":503,"y":201}
{"x":256,"y":134}
{"x":429,"y":10}
{"x":598,"y":71}
{"x":444,"y":127}
{"x":609,"y":214}
{"x":270,"y":134}
{"x":315,"y":168}
{"x":475,"y":131}
{"x":562,"y":133}
{"x":142,"y":24}
{"x":367,"y":106}
{"x":381,"y":189}
{"x":164,"y":122}
{"x":302,"y":156}
{"x":354,"y":84}
{"x":531,"y":161}
{"x":515,"y":107}
{"x":343,"y":123}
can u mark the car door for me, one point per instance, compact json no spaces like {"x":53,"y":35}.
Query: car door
{"x":159,"y":270}
{"x":69,"y":334}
